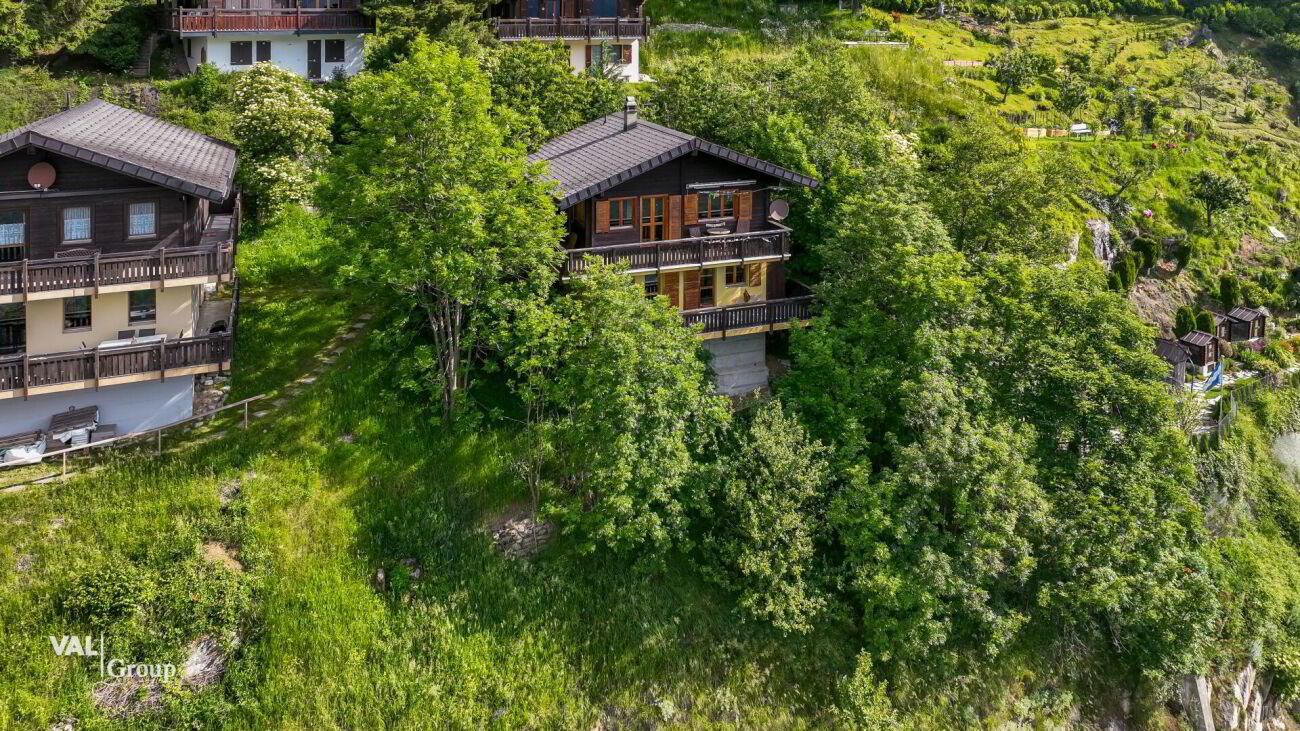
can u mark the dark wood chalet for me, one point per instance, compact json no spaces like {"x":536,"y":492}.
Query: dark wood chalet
{"x":1246,"y":324}
{"x":691,"y":220}
{"x":1202,"y":348}
{"x":570,"y":20}
{"x":204,"y":17}
{"x":100,"y":203}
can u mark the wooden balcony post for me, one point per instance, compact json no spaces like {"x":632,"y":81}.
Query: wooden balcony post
{"x":162,"y":267}
{"x":528,"y":27}
{"x":25,"y":279}
{"x":162,"y":360}
{"x":95,"y":280}
{"x":588,"y":24}
{"x":27,"y":375}
{"x":96,"y":369}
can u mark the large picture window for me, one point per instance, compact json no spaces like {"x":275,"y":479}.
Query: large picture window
{"x":142,"y":307}
{"x":717,"y":205}
{"x":142,"y":220}
{"x":241,"y":53}
{"x":76,"y":313}
{"x":76,"y":224}
{"x":622,"y":212}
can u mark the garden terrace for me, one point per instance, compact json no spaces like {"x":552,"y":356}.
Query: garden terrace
{"x":770,"y":244}
{"x":589,"y":28}
{"x":30,"y":375}
{"x":277,"y":16}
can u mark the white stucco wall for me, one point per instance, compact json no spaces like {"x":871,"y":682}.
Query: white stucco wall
{"x":628,"y":72}
{"x":288,"y":51}
{"x":132,"y":407}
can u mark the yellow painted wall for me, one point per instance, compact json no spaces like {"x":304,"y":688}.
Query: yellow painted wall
{"x":727,"y":296}
{"x":108,"y":315}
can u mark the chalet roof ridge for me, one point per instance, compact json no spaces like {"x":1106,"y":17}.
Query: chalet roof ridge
{"x":1245,"y":314}
{"x":603,"y":153}
{"x":135,"y":144}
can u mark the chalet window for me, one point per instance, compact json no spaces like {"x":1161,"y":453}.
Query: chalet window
{"x":76,"y":313}
{"x":334,"y":52}
{"x":602,"y":56}
{"x":13,"y":328}
{"x":13,"y":233}
{"x":263,"y":51}
{"x":706,"y":288}
{"x":241,"y":53}
{"x":141,"y":307}
{"x":651,"y":285}
{"x":76,"y":223}
{"x":142,"y":219}
{"x":622,"y":212}
{"x":735,"y":275}
{"x":717,"y":205}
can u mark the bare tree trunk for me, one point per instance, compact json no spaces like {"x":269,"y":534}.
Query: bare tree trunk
{"x":447,"y":323}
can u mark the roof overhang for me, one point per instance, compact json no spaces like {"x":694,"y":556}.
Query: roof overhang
{"x":28,"y":138}
{"x":693,"y":145}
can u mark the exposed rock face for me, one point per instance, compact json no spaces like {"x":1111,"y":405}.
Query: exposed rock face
{"x":1103,"y":248}
{"x":522,"y":538}
{"x":1197,"y":703}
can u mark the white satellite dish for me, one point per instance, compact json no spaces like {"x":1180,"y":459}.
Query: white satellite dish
{"x":778,"y":210}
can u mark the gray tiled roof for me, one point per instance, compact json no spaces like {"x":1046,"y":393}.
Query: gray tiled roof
{"x":1171,"y":351}
{"x":1245,"y":314}
{"x":601,"y":154}
{"x":133,"y":144}
{"x":1197,"y":338}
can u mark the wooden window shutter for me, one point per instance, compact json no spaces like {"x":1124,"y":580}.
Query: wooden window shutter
{"x":745,"y":205}
{"x":692,"y":209}
{"x":755,"y":275}
{"x":691,"y":289}
{"x":670,"y":286}
{"x":627,"y":54}
{"x":602,"y":216}
{"x":674,"y":217}
{"x":588,"y":64}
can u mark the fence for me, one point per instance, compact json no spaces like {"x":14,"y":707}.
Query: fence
{"x":1245,"y":393}
{"x":156,"y":433}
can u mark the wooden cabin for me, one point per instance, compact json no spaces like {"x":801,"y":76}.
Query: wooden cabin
{"x":1178,"y":359}
{"x":604,"y":35}
{"x":114,"y":225}
{"x":691,"y":221}
{"x":1247,"y":324}
{"x":1202,"y":348}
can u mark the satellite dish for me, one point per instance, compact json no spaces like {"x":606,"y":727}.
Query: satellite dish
{"x":41,"y":176}
{"x":778,"y":210}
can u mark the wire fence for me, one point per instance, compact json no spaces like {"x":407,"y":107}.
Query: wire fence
{"x":1211,"y":437}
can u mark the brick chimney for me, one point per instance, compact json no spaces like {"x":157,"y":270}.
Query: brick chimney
{"x":629,"y":113}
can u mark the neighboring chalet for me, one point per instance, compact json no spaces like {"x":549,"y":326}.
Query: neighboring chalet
{"x":1178,"y":359}
{"x":1247,"y":325}
{"x":692,"y":221}
{"x":1203,"y":349}
{"x":598,"y":33}
{"x":115,"y":230}
{"x":314,"y":39}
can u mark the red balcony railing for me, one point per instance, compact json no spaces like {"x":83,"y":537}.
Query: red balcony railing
{"x":616,"y":29}
{"x":99,"y":270}
{"x":266,"y":20}
{"x":768,"y":313}
{"x":95,"y":364}
{"x":696,"y":251}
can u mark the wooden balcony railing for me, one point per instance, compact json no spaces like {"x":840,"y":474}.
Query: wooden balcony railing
{"x":96,"y":364}
{"x":590,"y":28}
{"x":101,"y":270}
{"x":697,"y":251}
{"x":266,"y":20}
{"x":768,"y":313}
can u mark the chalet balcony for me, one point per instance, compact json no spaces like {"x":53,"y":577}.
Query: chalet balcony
{"x":31,"y":375}
{"x":754,"y":317}
{"x":95,"y":273}
{"x":269,"y":16}
{"x":734,"y":248}
{"x":573,"y":29}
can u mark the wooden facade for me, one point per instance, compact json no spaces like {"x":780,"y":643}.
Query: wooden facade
{"x":267,"y":16}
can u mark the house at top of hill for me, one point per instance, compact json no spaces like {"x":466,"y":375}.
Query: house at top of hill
{"x":690,"y":220}
{"x":116,"y":230}
{"x":602,"y":34}
{"x":314,"y":39}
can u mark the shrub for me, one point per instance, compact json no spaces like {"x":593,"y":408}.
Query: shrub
{"x":1184,"y":321}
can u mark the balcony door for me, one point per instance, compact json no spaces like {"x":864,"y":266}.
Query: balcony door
{"x":654,"y":217}
{"x":13,"y":328}
{"x":313,"y":59}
